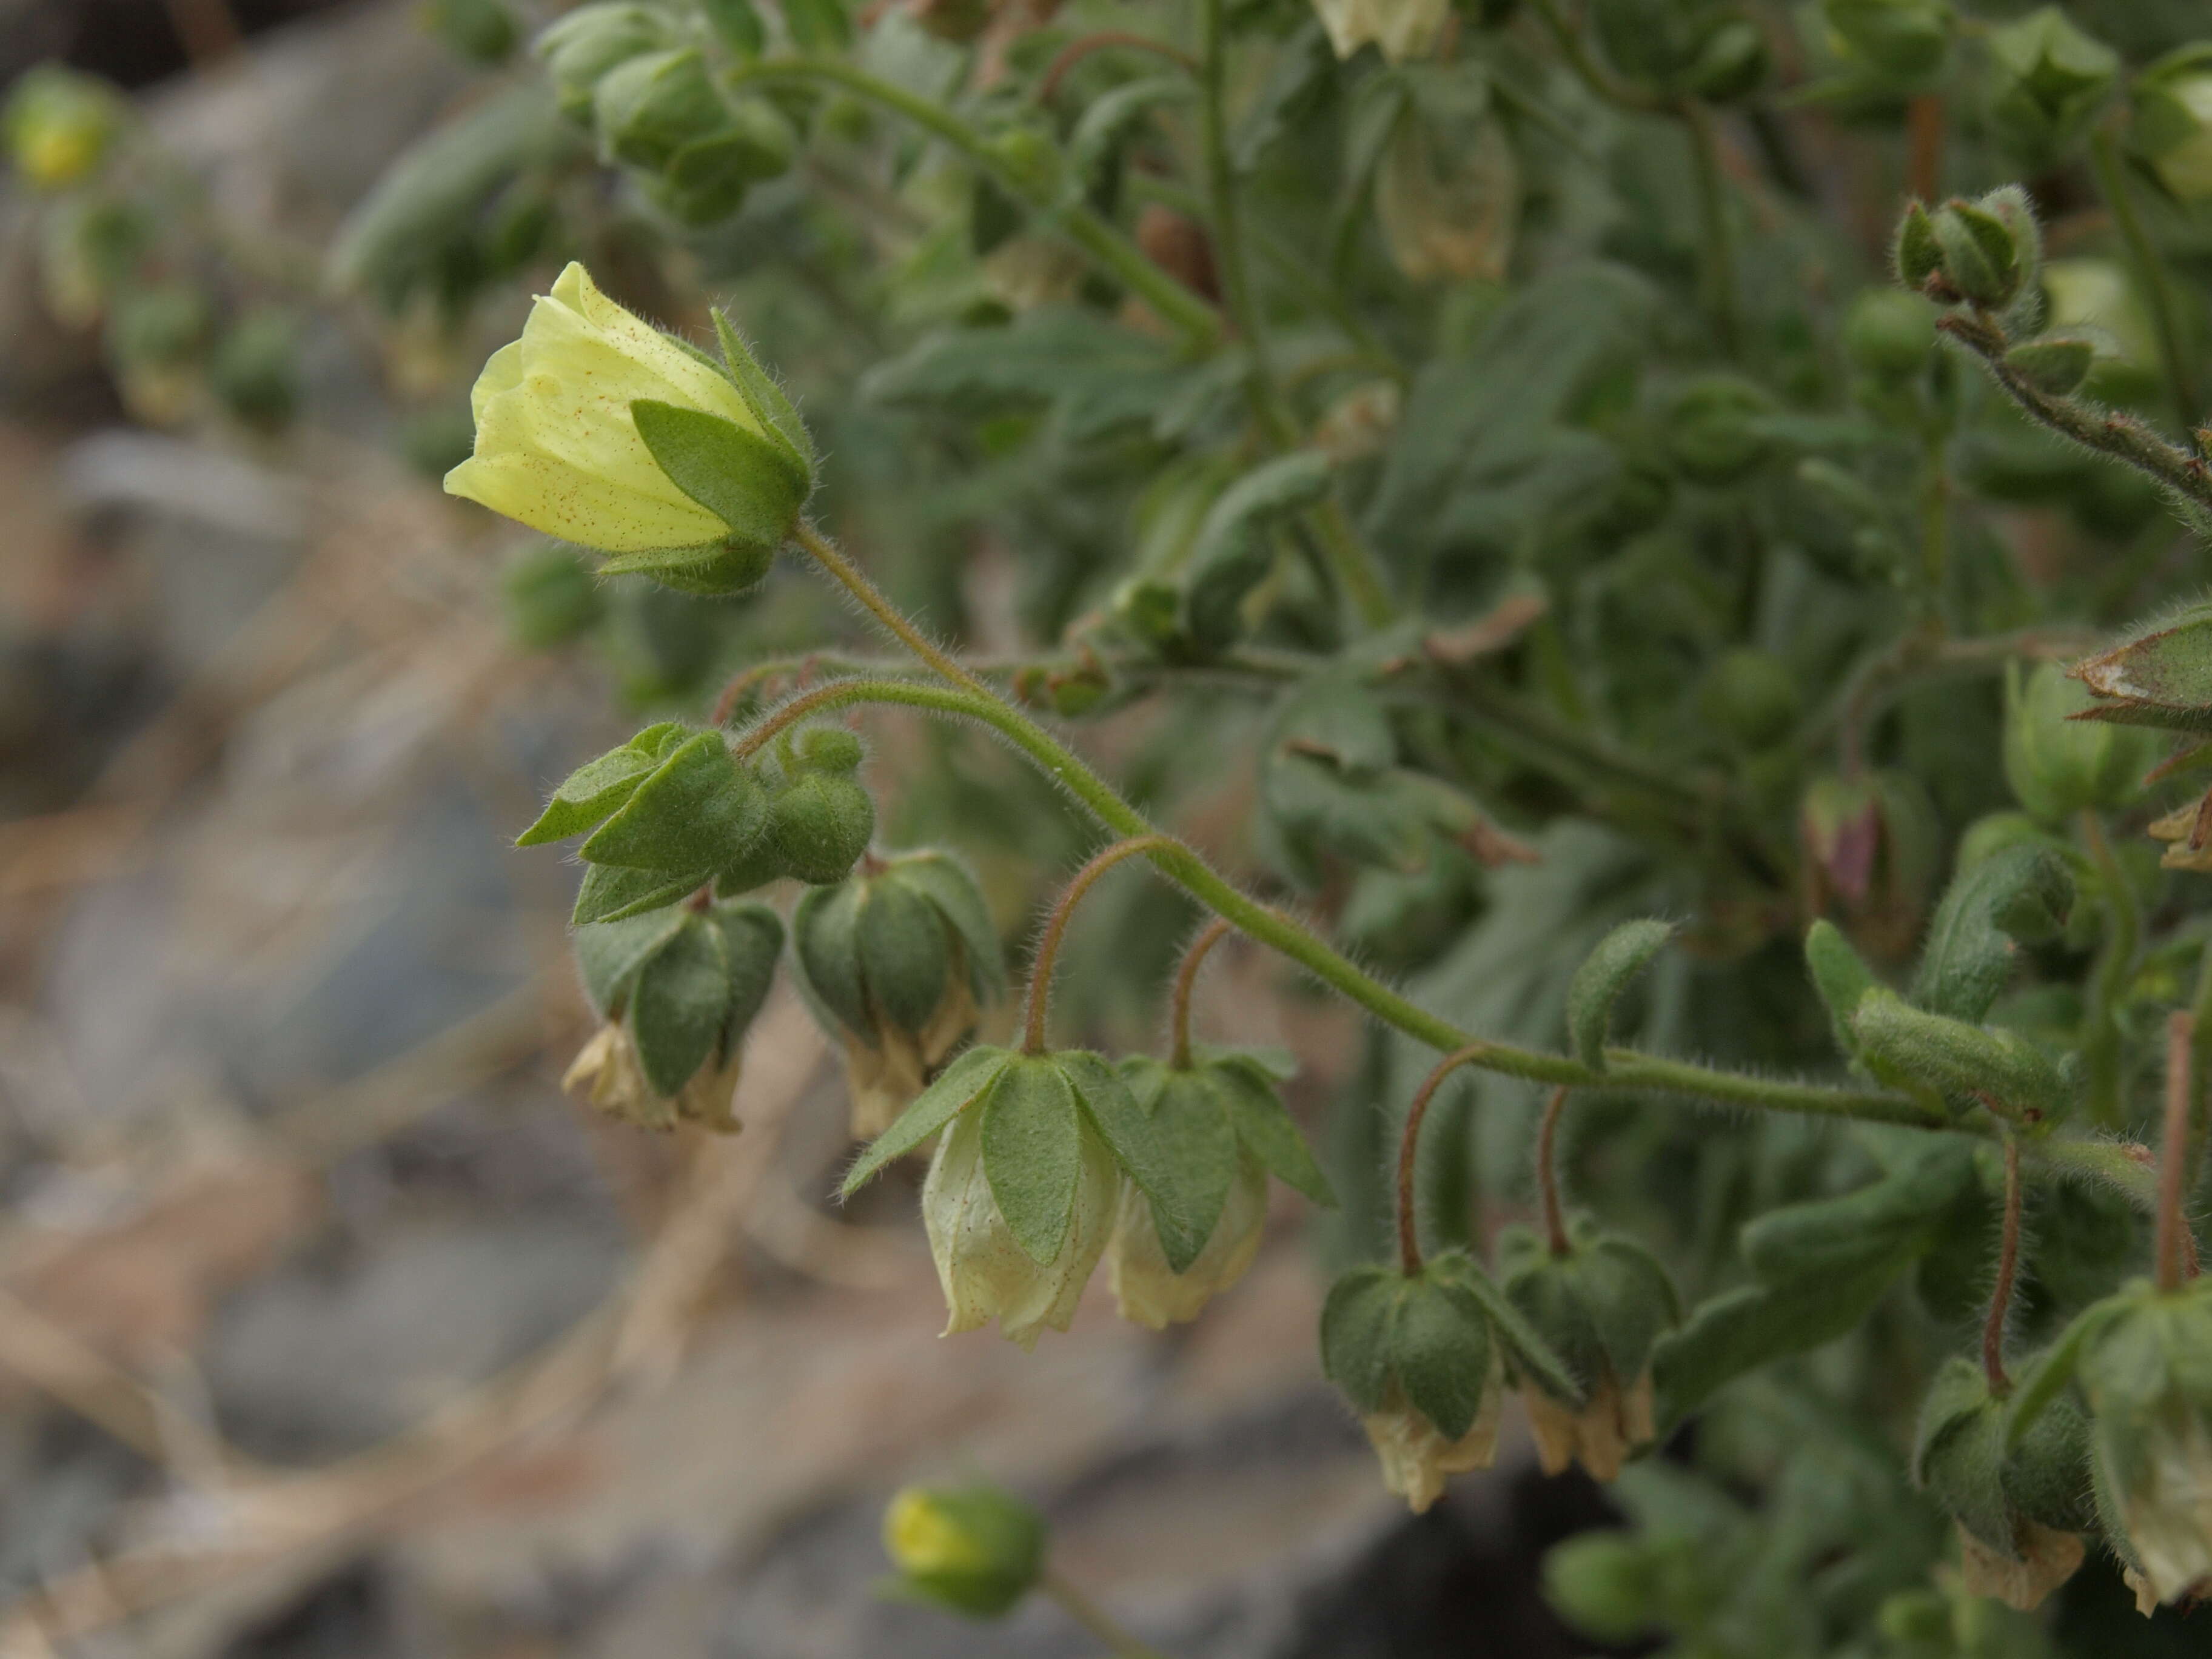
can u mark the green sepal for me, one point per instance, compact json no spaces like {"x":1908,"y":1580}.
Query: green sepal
{"x":2162,"y":674}
{"x":1957,"y":1455}
{"x":700,"y":809}
{"x":680,"y":1004}
{"x":820,"y":825}
{"x":2054,"y":365}
{"x":1197,"y":1145}
{"x":946,"y":882}
{"x":1264,"y":1127}
{"x":597,"y":787}
{"x":756,"y":485}
{"x":752,"y":943}
{"x":765,"y":397}
{"x":1356,"y":1321}
{"x":904,"y":952}
{"x":1841,"y":976}
{"x":1440,"y":1349}
{"x":1602,"y":1307}
{"x":1962,"y":1061}
{"x":714,"y":571}
{"x":960,"y":1084}
{"x":609,"y":952}
{"x":1917,"y":256}
{"x":825,"y":941}
{"x":1137,"y":1147}
{"x":1033,"y":1153}
{"x":2024,"y":894}
{"x":1526,"y":1350}
{"x":1620,"y":956}
{"x":614,"y":892}
{"x":2045,"y":1378}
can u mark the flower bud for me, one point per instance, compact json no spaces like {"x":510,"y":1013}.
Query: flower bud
{"x":1871,"y":844}
{"x":1751,"y":697}
{"x":1890,"y":334}
{"x":582,"y":47}
{"x":1985,"y":253}
{"x":648,"y":107}
{"x":1224,"y":1118}
{"x":1712,"y":430}
{"x":1604,"y":1584}
{"x":974,"y":1550}
{"x":820,"y":825}
{"x":1602,"y":1307}
{"x":2174,"y":120}
{"x":2049,"y":81}
{"x":2145,"y":1368}
{"x":1904,"y":42}
{"x":2019,"y":1512}
{"x":2059,"y":764}
{"x":1419,"y":1359}
{"x":1399,"y":28}
{"x":480,"y":30}
{"x":706,"y":180}
{"x":1448,"y":197}
{"x":60,"y":125}
{"x":896,"y":964}
{"x":594,"y":428}
{"x":678,"y":989}
{"x":156,"y":338}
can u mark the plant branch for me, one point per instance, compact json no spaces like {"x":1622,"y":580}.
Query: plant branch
{"x":1409,"y":1146}
{"x":1993,"y":1327}
{"x":1185,"y":982}
{"x":2150,"y":272}
{"x":1056,"y":928}
{"x":1120,"y":1644}
{"x":2176,"y":1249}
{"x":1547,"y":1172}
{"x":848,"y":576}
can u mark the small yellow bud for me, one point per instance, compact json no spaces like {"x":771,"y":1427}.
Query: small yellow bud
{"x":556,"y":446}
{"x":1417,"y":1459}
{"x":984,"y":1271}
{"x":1152,"y":1294}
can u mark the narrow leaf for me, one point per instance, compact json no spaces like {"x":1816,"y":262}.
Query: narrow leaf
{"x":2022,"y":893}
{"x":1140,"y":1149}
{"x":962,"y":1082}
{"x":1620,"y":956}
{"x":611,"y":892}
{"x":1269,"y":1134}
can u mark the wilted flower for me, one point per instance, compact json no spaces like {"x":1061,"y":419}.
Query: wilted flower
{"x":1417,"y":1456}
{"x":1401,"y":28}
{"x":558,"y":445}
{"x":607,"y":1073}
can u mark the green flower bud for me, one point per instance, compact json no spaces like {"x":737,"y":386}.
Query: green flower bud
{"x":549,"y":597}
{"x":1030,"y":161}
{"x":2159,"y":677}
{"x":1602,"y":1307}
{"x":1604,"y":1584}
{"x":580,"y":49}
{"x":648,"y":107}
{"x":2019,"y":1513}
{"x":706,"y":180}
{"x":896,"y":964}
{"x":1229,"y":1128}
{"x":974,"y":1550}
{"x":1904,"y":42}
{"x":255,"y":370}
{"x":1730,"y":64}
{"x":678,"y":989}
{"x":598,"y":429}
{"x":1418,"y":1357}
{"x":2146,"y":1370}
{"x":820,"y":825}
{"x":60,"y":125}
{"x":2049,"y":81}
{"x":2174,"y":120}
{"x":2054,"y":365}
{"x":1712,"y":430}
{"x":1917,"y":256}
{"x":1890,"y":334}
{"x":1981,"y":262}
{"x":2059,"y":764}
{"x":1751,"y":697}
{"x":155,"y":339}
{"x":86,"y":252}
{"x":482,"y":31}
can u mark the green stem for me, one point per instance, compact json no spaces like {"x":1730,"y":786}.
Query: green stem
{"x":847,"y":575}
{"x":1182,"y":310}
{"x":1625,"y":1069}
{"x":1094,"y":1619}
{"x":1718,"y":241}
{"x":1185,"y":982}
{"x":1055,"y":929}
{"x":2150,"y":272}
{"x":2100,"y":1047}
{"x":1409,"y":1153}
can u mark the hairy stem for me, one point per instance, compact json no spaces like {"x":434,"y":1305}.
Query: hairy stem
{"x":1179,"y":308}
{"x":1409,"y":1148}
{"x":1993,"y":1327}
{"x":848,"y":576}
{"x":2151,"y":276}
{"x":1186,"y":981}
{"x":1056,"y":928}
{"x":1547,"y":1172}
{"x":1626,"y":1068}
{"x":2101,"y":1047}
{"x":2176,"y":1249}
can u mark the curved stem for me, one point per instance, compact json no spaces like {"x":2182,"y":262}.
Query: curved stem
{"x":1993,"y":1327}
{"x":1409,"y":1146}
{"x":1083,"y":44}
{"x":2176,"y":1249}
{"x":1186,"y":980}
{"x":1547,"y":1172}
{"x":2150,"y":273}
{"x":2101,"y":1047}
{"x":1626,"y":1068}
{"x":1093,"y":1618}
{"x":1056,"y":928}
{"x":1181,"y":309}
{"x":872,"y":597}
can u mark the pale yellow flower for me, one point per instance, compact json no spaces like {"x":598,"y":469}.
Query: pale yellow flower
{"x":1402,"y":28}
{"x":556,"y":447}
{"x":1600,"y":1434}
{"x":607,"y":1074}
{"x":1152,"y":1294}
{"x":2169,"y":1514}
{"x":1416,"y":1458}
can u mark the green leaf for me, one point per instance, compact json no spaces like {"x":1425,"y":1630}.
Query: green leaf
{"x":1740,"y":1330}
{"x":2021,"y":894}
{"x":818,"y":25}
{"x":680,"y":1006}
{"x":1268,"y":1131}
{"x":699,"y":810}
{"x":1355,"y":1334}
{"x":736,"y":24}
{"x":1142,"y":1151}
{"x":767,"y":399}
{"x":1440,"y":1350}
{"x":1898,"y":1215}
{"x":904,"y":952}
{"x":589,"y":793}
{"x":1297,"y":82}
{"x":1231,"y":555}
{"x":1196,"y":1151}
{"x":1033,"y":1154}
{"x":1962,"y":1061}
{"x":965,"y":1080}
{"x":1620,"y":956}
{"x":609,"y":952}
{"x":753,"y":484}
{"x":610,"y":892}
{"x":1841,"y":976}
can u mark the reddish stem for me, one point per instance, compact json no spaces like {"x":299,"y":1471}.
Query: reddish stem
{"x":1080,"y":48}
{"x":1409,"y":1141}
{"x":1056,"y":926}
{"x":1185,"y":980}
{"x":1993,"y":1328}
{"x":1547,"y":1172}
{"x":2175,"y":1251}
